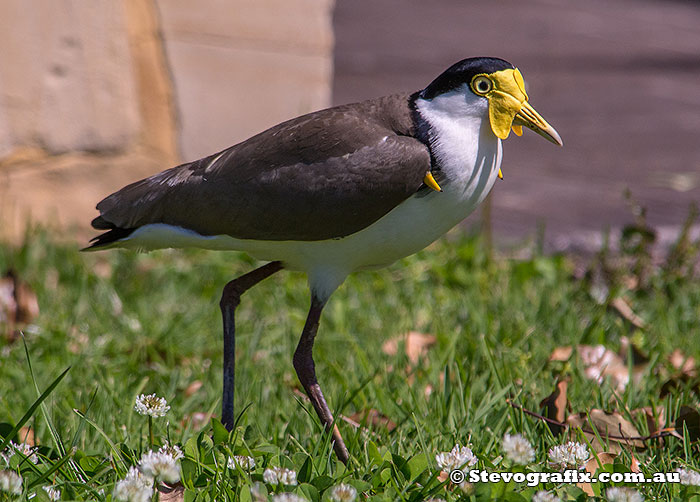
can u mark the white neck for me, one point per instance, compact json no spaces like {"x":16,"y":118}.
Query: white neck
{"x":461,"y":137}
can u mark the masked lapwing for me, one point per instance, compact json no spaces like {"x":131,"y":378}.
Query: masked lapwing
{"x":348,"y":188}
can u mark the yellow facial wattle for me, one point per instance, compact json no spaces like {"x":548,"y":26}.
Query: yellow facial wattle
{"x":506,"y":98}
{"x":508,"y":105}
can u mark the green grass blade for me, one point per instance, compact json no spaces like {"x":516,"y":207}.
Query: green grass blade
{"x":115,"y":450}
{"x":11,"y":435}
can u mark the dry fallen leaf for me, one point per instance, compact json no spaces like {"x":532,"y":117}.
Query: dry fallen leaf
{"x":689,"y":419}
{"x":634,"y":465}
{"x":613,"y":428}
{"x":26,"y":435}
{"x":192,"y":388}
{"x":600,"y":362}
{"x":555,"y":407}
{"x":374,"y":418}
{"x":562,"y":354}
{"x":605,"y":458}
{"x":592,"y":466}
{"x":416,"y":345}
{"x":622,"y":307}
{"x":171,"y":493}
{"x":685,"y":364}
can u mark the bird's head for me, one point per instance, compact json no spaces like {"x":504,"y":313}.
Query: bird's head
{"x":489,"y":85}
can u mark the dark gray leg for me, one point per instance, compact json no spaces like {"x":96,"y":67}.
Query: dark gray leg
{"x":304,"y":366}
{"x":230,"y":299}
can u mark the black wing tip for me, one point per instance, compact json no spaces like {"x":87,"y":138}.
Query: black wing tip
{"x":101,"y":224}
{"x":104,"y":240}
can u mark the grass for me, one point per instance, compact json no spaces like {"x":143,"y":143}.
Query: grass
{"x":127,"y":324}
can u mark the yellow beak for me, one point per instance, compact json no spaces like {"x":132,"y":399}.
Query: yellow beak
{"x":528,"y":117}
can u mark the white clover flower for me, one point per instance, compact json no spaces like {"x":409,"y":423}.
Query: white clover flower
{"x":689,"y":477}
{"x":277,"y":475}
{"x":151,"y":405}
{"x":288,"y":497}
{"x":571,"y":455}
{"x":543,"y":496}
{"x":135,"y":487}
{"x":435,"y":499}
{"x":161,"y":466}
{"x":458,"y":457}
{"x":53,"y":493}
{"x":623,"y":494}
{"x":171,"y":449}
{"x":25,"y":449}
{"x":343,"y":493}
{"x":10,"y":482}
{"x":243,"y":461}
{"x":518,"y":449}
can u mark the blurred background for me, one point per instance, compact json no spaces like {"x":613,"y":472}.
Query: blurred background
{"x":95,"y":94}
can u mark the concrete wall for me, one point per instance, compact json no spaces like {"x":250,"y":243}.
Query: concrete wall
{"x":66,"y":80}
{"x":240,"y":67}
{"x":95,"y":94}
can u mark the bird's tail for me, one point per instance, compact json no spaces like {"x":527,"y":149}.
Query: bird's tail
{"x":108,"y":239}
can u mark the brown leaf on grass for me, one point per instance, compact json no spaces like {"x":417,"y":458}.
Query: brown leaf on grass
{"x":600,"y":363}
{"x":26,"y":435}
{"x":416,"y":345}
{"x":634,"y":465}
{"x":685,"y":364}
{"x":613,"y":428}
{"x":622,"y":307}
{"x":171,"y":493}
{"x":605,"y":458}
{"x":554,"y":407}
{"x":592,"y":466}
{"x":193,"y":388}
{"x":587,"y":488}
{"x":688,"y":419}
{"x":374,"y":418}
{"x":561,"y":354}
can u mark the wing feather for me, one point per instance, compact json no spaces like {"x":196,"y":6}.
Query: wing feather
{"x":320,"y":176}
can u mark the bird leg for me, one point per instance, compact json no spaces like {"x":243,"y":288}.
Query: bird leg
{"x":304,"y":366}
{"x":230,"y":298}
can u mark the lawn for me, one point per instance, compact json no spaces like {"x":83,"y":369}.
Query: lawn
{"x":488,"y":345}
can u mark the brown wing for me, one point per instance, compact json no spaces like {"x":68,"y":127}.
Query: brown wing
{"x":324,"y":175}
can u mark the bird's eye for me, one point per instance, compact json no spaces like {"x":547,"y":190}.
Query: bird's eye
{"x":481,"y":85}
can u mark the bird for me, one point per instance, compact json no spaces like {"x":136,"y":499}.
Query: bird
{"x":348,"y":188}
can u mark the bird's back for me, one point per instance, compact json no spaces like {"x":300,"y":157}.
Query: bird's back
{"x":319,"y":176}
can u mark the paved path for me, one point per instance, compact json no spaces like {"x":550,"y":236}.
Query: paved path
{"x":619,"y":79}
